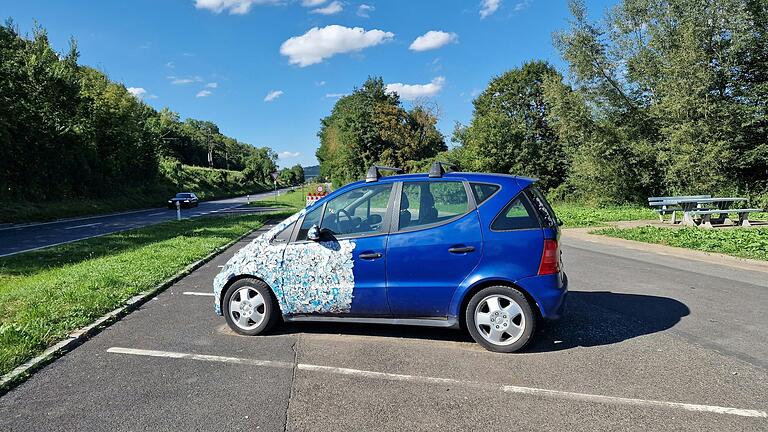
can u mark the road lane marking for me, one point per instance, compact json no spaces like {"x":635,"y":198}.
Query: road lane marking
{"x":193,"y":293}
{"x":530,"y":391}
{"x":83,"y":226}
{"x":158,"y":213}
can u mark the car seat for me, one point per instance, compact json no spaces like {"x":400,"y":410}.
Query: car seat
{"x":427,"y":212}
{"x":405,"y":215}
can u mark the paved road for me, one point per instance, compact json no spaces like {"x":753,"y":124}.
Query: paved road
{"x":16,"y":239}
{"x":638,"y":325}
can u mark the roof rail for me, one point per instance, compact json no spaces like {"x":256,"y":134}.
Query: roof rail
{"x":374,"y":172}
{"x":439,"y":168}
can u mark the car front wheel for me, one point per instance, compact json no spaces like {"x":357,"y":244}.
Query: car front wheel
{"x":249,"y":307}
{"x":500,"y":319}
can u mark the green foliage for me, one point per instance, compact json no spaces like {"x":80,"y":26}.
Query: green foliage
{"x":667,"y":97}
{"x":746,"y":243}
{"x":68,"y":132}
{"x":579,"y":215}
{"x":45,"y":295}
{"x":291,"y":176}
{"x":510,"y":131}
{"x":370,"y":126}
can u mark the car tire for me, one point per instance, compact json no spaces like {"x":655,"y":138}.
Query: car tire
{"x":249,"y":307}
{"x":500,"y":319}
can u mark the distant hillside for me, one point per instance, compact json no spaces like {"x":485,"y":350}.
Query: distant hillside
{"x":312,"y":171}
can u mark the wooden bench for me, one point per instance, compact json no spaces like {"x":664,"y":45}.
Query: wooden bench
{"x":669,"y":205}
{"x":706,"y":216}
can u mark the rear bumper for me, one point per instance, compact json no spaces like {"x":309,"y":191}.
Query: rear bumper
{"x":549,"y":293}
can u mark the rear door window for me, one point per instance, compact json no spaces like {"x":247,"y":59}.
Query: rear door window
{"x":518,"y":214}
{"x":427,"y":203}
{"x":542,"y":206}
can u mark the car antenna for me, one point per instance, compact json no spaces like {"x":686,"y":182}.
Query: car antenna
{"x":439,"y":168}
{"x":374,"y":172}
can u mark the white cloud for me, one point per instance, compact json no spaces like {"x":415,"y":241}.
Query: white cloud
{"x":136,"y":91}
{"x":181,"y":81}
{"x":488,"y":7}
{"x":365,"y":10}
{"x":288,"y":155}
{"x":312,"y":3}
{"x":522,"y":5}
{"x":274,"y":94}
{"x":335,"y":95}
{"x":236,"y":7}
{"x":170,"y":65}
{"x":153,"y":96}
{"x":203,"y":93}
{"x":212,"y":85}
{"x":318,"y":44}
{"x":320,"y":83}
{"x":332,"y":8}
{"x":413,"y":91}
{"x":433,"y":40}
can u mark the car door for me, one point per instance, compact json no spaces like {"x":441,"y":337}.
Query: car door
{"x":344,"y":272}
{"x":434,"y":244}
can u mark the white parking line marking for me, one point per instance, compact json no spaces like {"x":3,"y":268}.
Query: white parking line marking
{"x":200,"y":357}
{"x":192,"y":293}
{"x":83,"y":226}
{"x":554,"y":394}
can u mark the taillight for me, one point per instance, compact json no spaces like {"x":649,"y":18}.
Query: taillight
{"x":550,"y":259}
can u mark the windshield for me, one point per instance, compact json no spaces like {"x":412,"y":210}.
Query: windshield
{"x":183,"y":195}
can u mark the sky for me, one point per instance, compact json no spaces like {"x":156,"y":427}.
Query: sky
{"x":267,"y":71}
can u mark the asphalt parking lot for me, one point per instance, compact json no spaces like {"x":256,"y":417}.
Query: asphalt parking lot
{"x":648,"y":342}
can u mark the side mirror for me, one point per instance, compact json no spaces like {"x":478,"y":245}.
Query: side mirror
{"x":313,"y":233}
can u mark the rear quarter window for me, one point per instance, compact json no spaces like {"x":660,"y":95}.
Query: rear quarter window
{"x":518,"y":214}
{"x":483,"y":191}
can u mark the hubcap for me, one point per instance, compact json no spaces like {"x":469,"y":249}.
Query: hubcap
{"x":499,"y":319}
{"x":247,"y":308}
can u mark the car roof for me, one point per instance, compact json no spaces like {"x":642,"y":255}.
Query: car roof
{"x":458,"y":175}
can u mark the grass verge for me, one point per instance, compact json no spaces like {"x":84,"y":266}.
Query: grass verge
{"x":745,"y":243}
{"x":47,"y":294}
{"x":575,"y":216}
{"x":295,"y":199}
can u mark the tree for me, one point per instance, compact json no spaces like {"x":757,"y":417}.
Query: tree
{"x":298,"y":173}
{"x":370,"y":126}
{"x":510,"y":131}
{"x":674,"y":96}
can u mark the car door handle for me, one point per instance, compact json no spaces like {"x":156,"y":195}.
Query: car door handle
{"x":370,"y":255}
{"x":462,"y":249}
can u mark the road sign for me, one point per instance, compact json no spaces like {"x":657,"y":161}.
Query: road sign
{"x":320,"y":189}
{"x":274,"y":175}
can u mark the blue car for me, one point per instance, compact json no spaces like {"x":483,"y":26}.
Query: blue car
{"x":442,"y":249}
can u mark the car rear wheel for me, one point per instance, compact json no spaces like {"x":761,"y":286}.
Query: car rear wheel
{"x":249,"y":307}
{"x":500,"y":319}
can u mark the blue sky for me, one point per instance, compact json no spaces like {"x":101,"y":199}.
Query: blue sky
{"x":267,"y":71}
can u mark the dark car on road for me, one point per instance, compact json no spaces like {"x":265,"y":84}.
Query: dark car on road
{"x":185,"y":199}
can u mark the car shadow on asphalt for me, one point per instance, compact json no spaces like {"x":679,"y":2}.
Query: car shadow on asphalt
{"x":595,"y":318}
{"x":589,"y":319}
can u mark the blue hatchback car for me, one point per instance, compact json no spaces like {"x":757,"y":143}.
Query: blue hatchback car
{"x":443,"y":249}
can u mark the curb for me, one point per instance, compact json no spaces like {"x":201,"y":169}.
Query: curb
{"x":79,"y":336}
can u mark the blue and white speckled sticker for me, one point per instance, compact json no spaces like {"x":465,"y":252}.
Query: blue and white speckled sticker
{"x":306,"y":277}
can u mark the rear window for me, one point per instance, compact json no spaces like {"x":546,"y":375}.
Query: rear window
{"x":543,"y":207}
{"x":483,"y":191}
{"x":518,"y":214}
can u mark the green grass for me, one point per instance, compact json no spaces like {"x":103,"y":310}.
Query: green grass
{"x":46,"y":294}
{"x":745,"y":243}
{"x":293,"y":199}
{"x":574,"y":215}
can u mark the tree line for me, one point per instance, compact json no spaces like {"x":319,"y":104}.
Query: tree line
{"x":68,"y":131}
{"x":660,"y":97}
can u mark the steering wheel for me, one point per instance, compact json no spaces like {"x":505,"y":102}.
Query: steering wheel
{"x":338,"y":219}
